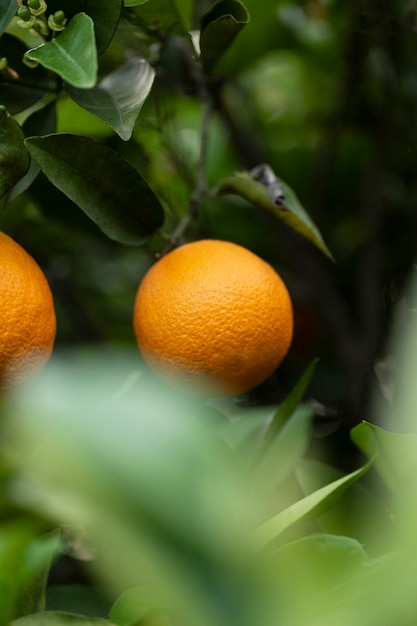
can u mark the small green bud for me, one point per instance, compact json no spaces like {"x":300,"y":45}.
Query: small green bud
{"x":37,"y":7}
{"x":3,"y":63}
{"x":25,"y":19}
{"x":23,"y":13}
{"x":57,"y":21}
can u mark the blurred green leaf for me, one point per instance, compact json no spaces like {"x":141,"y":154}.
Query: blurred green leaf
{"x":358,"y":513}
{"x":173,"y":16}
{"x":290,"y":212}
{"x":101,"y":183}
{"x":37,"y":563}
{"x":395,"y":455}
{"x":119,"y":97}
{"x":134,"y":604}
{"x":146,"y":470}
{"x":279,"y":459}
{"x":59,"y":618}
{"x":14,"y":540}
{"x":20,"y":91}
{"x":8,"y":9}
{"x":14,"y":158}
{"x":307,"y":508}
{"x":219,"y":27}
{"x":72,"y":54}
{"x":287,"y":407}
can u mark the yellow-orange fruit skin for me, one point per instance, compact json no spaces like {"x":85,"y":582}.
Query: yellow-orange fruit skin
{"x":27,"y":315}
{"x":213,"y":317}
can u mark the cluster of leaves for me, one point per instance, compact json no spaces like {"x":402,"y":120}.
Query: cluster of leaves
{"x":186,"y":516}
{"x":126,"y":204}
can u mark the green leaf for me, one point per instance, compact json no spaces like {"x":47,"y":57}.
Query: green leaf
{"x":14,"y":158}
{"x":279,"y":459}
{"x":290,"y":211}
{"x":72,"y":54}
{"x":37,"y":563}
{"x":119,"y":97}
{"x":287,"y":407}
{"x":173,"y":16}
{"x":395,"y":455}
{"x":146,"y":475}
{"x":39,"y":123}
{"x":109,"y":190}
{"x":358,"y":513}
{"x":219,"y":27}
{"x":8,"y":9}
{"x":134,"y":604}
{"x":14,"y":540}
{"x":105,"y":15}
{"x":59,"y":618}
{"x":307,"y":508}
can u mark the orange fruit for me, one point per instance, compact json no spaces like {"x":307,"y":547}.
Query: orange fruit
{"x":27,"y":315}
{"x":213,"y":317}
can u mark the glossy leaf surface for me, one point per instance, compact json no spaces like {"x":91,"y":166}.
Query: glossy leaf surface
{"x":118,"y":98}
{"x":101,"y":183}
{"x":72,"y":54}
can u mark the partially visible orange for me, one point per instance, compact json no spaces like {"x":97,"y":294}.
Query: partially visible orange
{"x":27,"y":315}
{"x":213,"y":317}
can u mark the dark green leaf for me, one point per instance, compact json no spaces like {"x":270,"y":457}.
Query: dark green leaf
{"x":101,"y":183}
{"x":72,"y":54}
{"x":8,"y":9}
{"x":219,"y":27}
{"x":14,"y":158}
{"x":173,"y":16}
{"x":105,"y":15}
{"x":59,"y":618}
{"x":119,"y":97}
{"x":19,"y":91}
{"x":39,"y":123}
{"x":290,"y":211}
{"x":307,"y":508}
{"x":395,"y":455}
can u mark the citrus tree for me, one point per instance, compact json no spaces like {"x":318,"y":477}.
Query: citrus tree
{"x":127,"y":129}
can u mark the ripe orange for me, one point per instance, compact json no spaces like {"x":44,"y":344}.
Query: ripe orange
{"x":27,"y":315}
{"x":213,"y":317}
